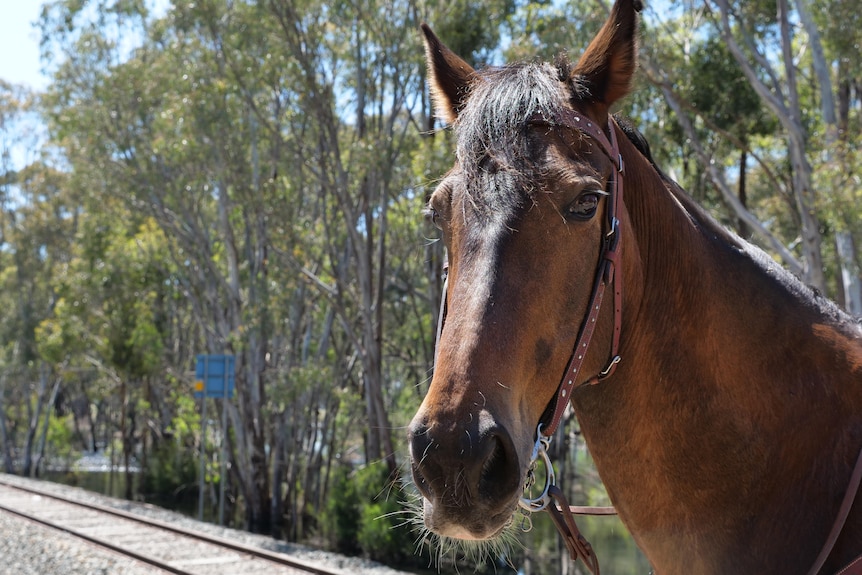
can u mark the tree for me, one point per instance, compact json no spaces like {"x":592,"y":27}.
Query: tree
{"x":37,"y":224}
{"x":244,"y":159}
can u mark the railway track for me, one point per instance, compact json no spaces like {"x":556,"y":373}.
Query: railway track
{"x":168,"y":547}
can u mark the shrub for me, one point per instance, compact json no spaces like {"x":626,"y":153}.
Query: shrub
{"x":367,"y":516}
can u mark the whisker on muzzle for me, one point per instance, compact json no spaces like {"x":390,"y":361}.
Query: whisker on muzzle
{"x":444,"y":550}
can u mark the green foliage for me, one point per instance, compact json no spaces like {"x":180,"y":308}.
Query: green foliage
{"x":171,"y":469}
{"x":340,"y":522}
{"x":382,"y":534}
{"x":186,"y":419}
{"x":60,"y":436}
{"x":840,"y":22}
{"x":739,"y":110}
{"x":546,"y":30}
{"x":61,"y":334}
{"x":367,"y":516}
{"x":472,"y":29}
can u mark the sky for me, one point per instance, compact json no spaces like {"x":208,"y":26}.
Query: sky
{"x":19,"y":43}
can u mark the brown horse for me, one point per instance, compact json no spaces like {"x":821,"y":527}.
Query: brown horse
{"x":728,"y":433}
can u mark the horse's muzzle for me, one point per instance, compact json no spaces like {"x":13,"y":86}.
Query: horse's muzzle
{"x":469,"y":475}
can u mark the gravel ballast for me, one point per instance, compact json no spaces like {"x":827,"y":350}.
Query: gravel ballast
{"x":28,"y":548}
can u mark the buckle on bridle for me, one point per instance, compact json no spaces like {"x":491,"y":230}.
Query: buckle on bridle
{"x":615,"y":227}
{"x":612,"y":365}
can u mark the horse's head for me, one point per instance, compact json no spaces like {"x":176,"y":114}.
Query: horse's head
{"x":522,"y":213}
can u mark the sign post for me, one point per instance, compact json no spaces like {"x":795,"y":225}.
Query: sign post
{"x":214,"y":376}
{"x":223,"y":471}
{"x":202,"y":474}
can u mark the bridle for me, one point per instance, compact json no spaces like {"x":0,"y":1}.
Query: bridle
{"x":608,"y":272}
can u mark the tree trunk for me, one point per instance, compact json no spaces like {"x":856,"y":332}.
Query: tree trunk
{"x":33,"y":425}
{"x":783,"y":100}
{"x":276,"y":501}
{"x":362,"y":203}
{"x":124,"y":413}
{"x":742,"y":227}
{"x":4,"y":435}
{"x":43,"y":438}
{"x":247,"y":419}
{"x":844,"y":241}
{"x":849,"y":273}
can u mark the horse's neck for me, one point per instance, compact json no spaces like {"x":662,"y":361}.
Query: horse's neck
{"x":732,"y":378}
{"x":711,"y":305}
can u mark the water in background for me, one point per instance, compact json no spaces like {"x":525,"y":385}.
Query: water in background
{"x":93,"y":472}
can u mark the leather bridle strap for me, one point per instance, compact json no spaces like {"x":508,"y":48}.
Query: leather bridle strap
{"x":444,"y":305}
{"x":607,"y":273}
{"x":578,"y":546}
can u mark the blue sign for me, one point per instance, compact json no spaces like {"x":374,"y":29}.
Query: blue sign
{"x":213,"y":373}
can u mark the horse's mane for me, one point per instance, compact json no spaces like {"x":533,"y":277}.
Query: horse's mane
{"x":728,"y":239}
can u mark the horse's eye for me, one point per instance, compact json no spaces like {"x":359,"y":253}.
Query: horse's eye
{"x":434,"y":216}
{"x":585,"y":206}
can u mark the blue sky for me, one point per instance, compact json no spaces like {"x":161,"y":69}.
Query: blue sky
{"x":19,"y":43}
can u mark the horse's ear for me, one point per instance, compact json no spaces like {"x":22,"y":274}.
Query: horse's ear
{"x":607,"y":66}
{"x":449,"y":77}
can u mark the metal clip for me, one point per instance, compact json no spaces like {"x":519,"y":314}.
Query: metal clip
{"x":540,"y":451}
{"x":526,"y":521}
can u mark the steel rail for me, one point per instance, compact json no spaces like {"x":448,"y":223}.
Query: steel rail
{"x":210,"y":539}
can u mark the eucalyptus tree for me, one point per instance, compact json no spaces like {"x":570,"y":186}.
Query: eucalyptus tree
{"x":159,"y":129}
{"x":837,"y":25}
{"x":37,"y":227}
{"x":268,"y":142}
{"x":764,"y":41}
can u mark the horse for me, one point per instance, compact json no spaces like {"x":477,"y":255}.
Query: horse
{"x":719,"y":396}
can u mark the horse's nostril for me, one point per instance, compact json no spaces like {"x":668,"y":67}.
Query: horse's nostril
{"x":420,"y":444}
{"x":419,"y":481}
{"x":499,"y":473}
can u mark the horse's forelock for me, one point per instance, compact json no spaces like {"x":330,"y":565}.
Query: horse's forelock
{"x":491,"y":130}
{"x":500,"y":105}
